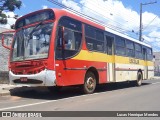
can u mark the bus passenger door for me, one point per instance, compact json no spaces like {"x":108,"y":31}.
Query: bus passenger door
{"x":145,"y":73}
{"x":110,"y":58}
{"x":68,"y":45}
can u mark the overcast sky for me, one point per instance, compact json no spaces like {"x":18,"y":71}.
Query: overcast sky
{"x":124,"y":14}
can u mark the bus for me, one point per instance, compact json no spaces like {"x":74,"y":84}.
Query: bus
{"x":57,"y":48}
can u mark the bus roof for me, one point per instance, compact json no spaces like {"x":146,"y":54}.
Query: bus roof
{"x":88,"y":21}
{"x":126,"y":36}
{"x":111,"y":30}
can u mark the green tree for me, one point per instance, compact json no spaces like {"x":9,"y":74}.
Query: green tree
{"x":8,"y":5}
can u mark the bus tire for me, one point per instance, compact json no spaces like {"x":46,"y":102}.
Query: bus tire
{"x":139,"y":79}
{"x":54,"y":89}
{"x":89,"y":83}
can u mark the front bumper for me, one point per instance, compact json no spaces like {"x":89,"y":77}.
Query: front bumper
{"x":46,"y":78}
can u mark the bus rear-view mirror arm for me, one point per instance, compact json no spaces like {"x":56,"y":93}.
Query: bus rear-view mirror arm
{"x":3,"y":39}
{"x":5,"y":46}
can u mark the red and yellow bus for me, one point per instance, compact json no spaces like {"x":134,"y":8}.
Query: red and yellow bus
{"x":55,"y":47}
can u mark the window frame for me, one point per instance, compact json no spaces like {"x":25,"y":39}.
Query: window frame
{"x":109,"y":38}
{"x":23,"y":22}
{"x":94,"y":38}
{"x":149,"y":55}
{"x":139,"y":51}
{"x":64,"y":51}
{"x":130,"y":49}
{"x":74,"y":31}
{"x":120,"y":46}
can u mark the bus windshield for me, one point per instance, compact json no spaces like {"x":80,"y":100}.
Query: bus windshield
{"x":32,"y":42}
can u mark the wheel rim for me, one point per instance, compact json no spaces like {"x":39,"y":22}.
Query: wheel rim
{"x":90,"y":84}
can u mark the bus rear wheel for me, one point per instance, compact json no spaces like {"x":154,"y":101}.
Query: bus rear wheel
{"x":139,"y":79}
{"x":89,"y":83}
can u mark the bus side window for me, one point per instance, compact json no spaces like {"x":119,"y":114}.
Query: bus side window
{"x":94,"y":39}
{"x":144,"y":54}
{"x":138,"y":51}
{"x":120,"y":47}
{"x":70,"y":42}
{"x":149,"y":54}
{"x":109,"y":45}
{"x":130,"y":48}
{"x":59,"y":38}
{"x":69,"y":39}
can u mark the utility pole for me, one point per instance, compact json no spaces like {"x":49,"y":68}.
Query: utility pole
{"x":140,"y":26}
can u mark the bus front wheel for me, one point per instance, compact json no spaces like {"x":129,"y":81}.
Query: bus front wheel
{"x":89,"y":83}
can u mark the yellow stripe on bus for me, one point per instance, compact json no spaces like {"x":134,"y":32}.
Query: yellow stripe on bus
{"x":150,"y":63}
{"x":93,"y":56}
{"x":101,"y":57}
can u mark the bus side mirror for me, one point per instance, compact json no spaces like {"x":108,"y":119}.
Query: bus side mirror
{"x":7,"y":38}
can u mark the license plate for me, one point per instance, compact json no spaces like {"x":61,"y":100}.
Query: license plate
{"x":23,"y":79}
